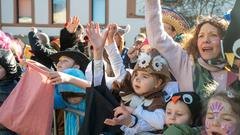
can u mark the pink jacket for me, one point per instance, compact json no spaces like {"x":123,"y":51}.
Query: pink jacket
{"x":181,"y":64}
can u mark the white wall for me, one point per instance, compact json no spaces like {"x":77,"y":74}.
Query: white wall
{"x":25,"y":30}
{"x":80,"y":8}
{"x":118,"y":14}
{"x":41,"y":11}
{"x":7,"y":11}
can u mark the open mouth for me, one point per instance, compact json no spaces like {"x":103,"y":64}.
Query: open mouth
{"x":137,"y":86}
{"x":207,"y":49}
{"x":215,"y":133}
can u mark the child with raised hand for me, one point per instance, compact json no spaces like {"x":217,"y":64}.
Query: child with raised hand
{"x":183,"y":113}
{"x":222,"y":114}
{"x":143,"y":97}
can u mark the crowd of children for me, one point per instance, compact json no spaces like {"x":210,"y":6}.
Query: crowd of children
{"x":171,"y":82}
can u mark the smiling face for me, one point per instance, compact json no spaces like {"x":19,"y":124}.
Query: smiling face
{"x":178,"y":113}
{"x":208,"y":42}
{"x":143,"y":82}
{"x":220,"y":118}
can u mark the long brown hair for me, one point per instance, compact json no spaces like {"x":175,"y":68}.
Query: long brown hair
{"x":190,"y":40}
{"x":119,"y":42}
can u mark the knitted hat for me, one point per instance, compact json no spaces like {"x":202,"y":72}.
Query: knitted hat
{"x":175,"y":19}
{"x":69,"y":87}
{"x":70,"y":90}
{"x":5,"y":41}
{"x":153,"y":63}
{"x":191,"y":99}
{"x":43,"y":37}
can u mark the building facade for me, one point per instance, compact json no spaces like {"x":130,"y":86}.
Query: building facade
{"x":18,"y":16}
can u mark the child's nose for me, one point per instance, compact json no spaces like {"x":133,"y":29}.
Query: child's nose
{"x":216,"y":123}
{"x":172,"y":116}
{"x":138,"y":79}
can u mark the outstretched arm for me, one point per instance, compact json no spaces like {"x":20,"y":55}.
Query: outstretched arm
{"x":131,"y":124}
{"x":99,"y":42}
{"x":59,"y":77}
{"x":37,"y":46}
{"x":114,"y":54}
{"x":68,"y":37}
{"x":179,"y":61}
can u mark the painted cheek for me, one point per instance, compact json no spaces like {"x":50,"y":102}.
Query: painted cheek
{"x":208,"y":123}
{"x":228,"y":128}
{"x":216,"y":40}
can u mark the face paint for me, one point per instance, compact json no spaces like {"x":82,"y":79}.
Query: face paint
{"x":208,"y":124}
{"x":216,"y":107}
{"x":229,"y":128}
{"x":208,"y":42}
{"x":220,"y":118}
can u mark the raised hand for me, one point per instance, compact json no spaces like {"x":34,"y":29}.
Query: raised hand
{"x":60,"y":77}
{"x":72,"y":24}
{"x":112,"y":31}
{"x":134,"y":51}
{"x":57,"y":77}
{"x":96,"y":38}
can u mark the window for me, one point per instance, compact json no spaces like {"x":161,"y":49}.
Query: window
{"x":135,"y":8}
{"x":59,"y":11}
{"x":24,"y":11}
{"x":99,"y":11}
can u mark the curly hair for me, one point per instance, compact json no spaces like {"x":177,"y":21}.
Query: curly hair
{"x":190,"y":39}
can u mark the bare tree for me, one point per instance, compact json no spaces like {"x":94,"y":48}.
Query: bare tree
{"x":194,"y":8}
